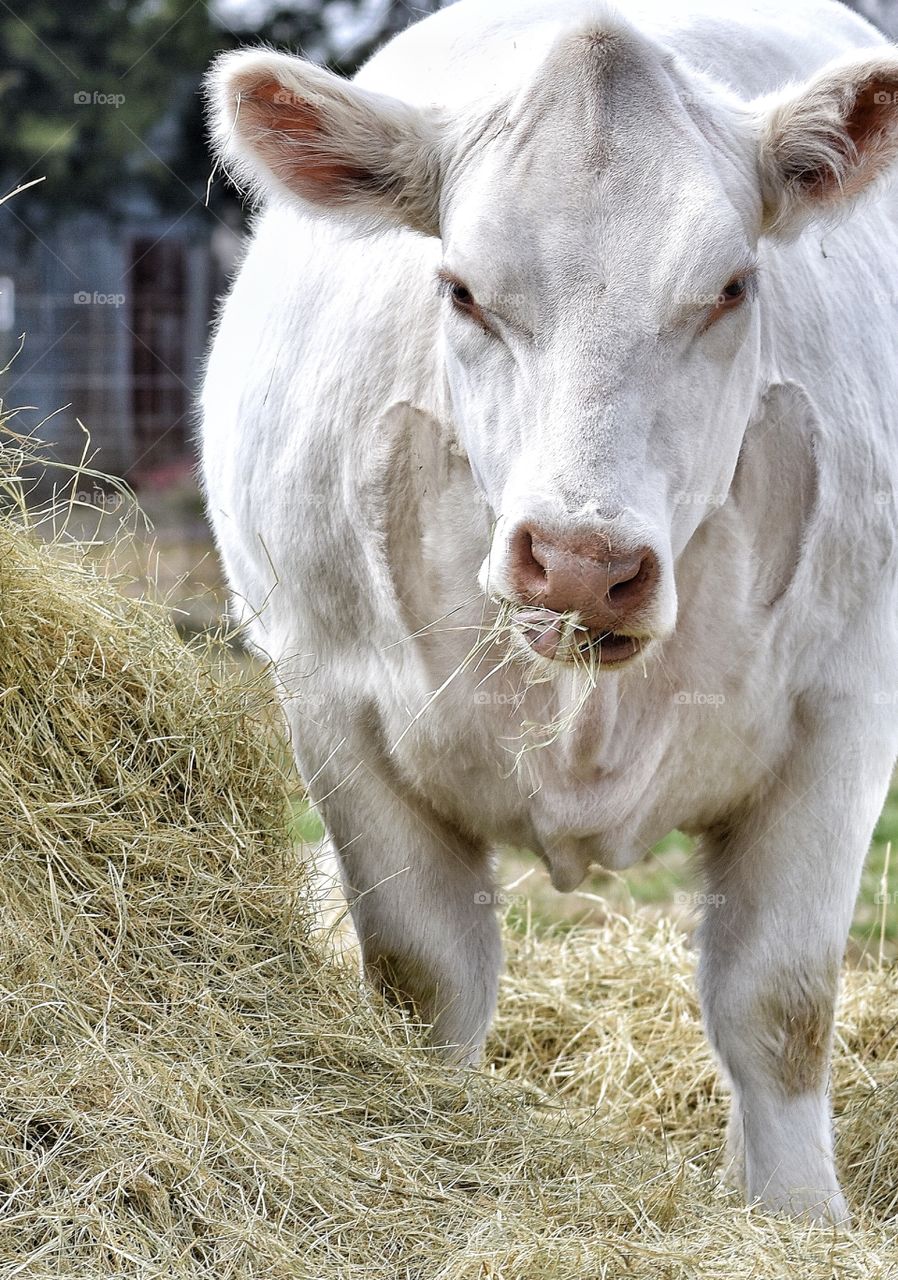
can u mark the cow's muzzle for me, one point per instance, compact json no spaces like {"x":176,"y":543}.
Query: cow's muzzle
{"x":581,"y":595}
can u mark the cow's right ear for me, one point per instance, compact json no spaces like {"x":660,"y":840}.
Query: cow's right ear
{"x":827,"y":141}
{"x":282,"y":124}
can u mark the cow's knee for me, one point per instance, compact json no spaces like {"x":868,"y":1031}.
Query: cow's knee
{"x":794,"y":1025}
{"x":775,"y":1030}
{"x":437,"y":955}
{"x":773,"y":1036}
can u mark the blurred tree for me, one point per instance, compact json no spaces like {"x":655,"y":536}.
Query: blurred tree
{"x":103,"y":99}
{"x":93,"y":96}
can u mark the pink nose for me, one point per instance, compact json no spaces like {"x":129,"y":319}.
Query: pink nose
{"x":607,"y":587}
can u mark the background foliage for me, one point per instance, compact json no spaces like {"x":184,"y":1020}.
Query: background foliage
{"x":88,"y":91}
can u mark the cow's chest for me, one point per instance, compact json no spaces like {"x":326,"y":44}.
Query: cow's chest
{"x":597,"y":782}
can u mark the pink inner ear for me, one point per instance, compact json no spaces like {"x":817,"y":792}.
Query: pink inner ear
{"x":294,"y":141}
{"x":873,"y":113}
{"x":872,"y":119}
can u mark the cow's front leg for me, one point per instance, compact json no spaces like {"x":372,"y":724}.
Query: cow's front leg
{"x":421,"y":894}
{"x":782,"y":884}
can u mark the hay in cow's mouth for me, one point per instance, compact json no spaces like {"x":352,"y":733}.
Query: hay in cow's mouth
{"x":565,"y":638}
{"x":611,"y":647}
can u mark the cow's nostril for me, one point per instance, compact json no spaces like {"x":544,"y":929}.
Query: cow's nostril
{"x":567,"y":574}
{"x":631,"y":587}
{"x":530,"y":572}
{"x":530,"y":551}
{"x":631,"y":582}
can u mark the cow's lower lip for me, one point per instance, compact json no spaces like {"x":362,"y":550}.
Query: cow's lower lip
{"x":547,"y":636}
{"x":612,"y":648}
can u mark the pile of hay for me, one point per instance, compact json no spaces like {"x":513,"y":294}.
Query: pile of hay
{"x":191,"y":1087}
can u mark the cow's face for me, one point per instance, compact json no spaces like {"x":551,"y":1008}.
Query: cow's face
{"x":601,"y":300}
{"x":601,"y":340}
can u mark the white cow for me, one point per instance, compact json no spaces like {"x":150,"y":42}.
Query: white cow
{"x":549,"y":442}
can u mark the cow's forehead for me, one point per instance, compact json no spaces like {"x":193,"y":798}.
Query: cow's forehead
{"x":550,"y":231}
{"x":598,"y":166}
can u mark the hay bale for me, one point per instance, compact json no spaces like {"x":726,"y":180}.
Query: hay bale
{"x":190,"y":1087}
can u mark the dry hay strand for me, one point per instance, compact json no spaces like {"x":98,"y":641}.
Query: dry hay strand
{"x":191,"y":1087}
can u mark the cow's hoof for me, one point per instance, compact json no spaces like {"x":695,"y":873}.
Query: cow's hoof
{"x":824,"y":1208}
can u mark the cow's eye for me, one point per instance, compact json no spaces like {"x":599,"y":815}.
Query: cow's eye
{"x":730,"y":297}
{"x":461,"y":295}
{"x":457,"y":292}
{"x":734,"y":292}
{"x":462,"y":299}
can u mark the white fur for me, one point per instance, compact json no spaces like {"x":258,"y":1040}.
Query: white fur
{"x":366,"y":451}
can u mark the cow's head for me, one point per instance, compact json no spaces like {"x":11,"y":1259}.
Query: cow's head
{"x":599,"y":279}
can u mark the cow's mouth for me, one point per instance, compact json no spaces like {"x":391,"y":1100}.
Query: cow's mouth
{"x":563,"y":638}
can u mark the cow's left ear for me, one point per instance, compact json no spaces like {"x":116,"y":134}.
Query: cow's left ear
{"x":284,"y":126}
{"x":823,"y":143}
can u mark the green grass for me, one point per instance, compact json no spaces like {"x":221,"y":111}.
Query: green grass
{"x":876,"y":913}
{"x":304,"y":823}
{"x":664,"y":882}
